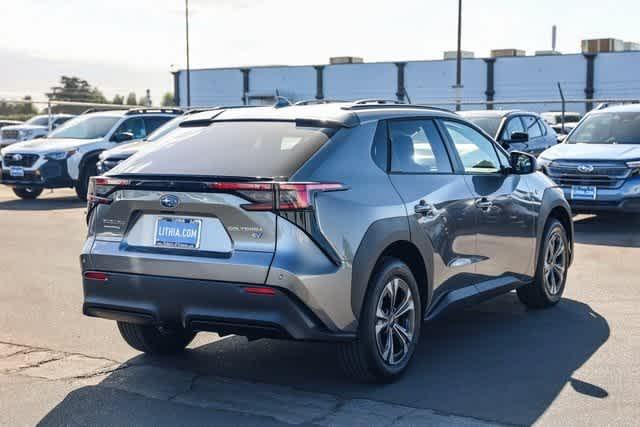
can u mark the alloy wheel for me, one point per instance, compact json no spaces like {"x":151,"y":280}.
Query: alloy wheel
{"x":555,"y":264}
{"x":395,"y":321}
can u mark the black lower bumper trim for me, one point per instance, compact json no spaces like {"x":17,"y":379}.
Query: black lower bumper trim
{"x":201,"y":305}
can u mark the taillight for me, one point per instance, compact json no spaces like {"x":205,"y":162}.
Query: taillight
{"x":99,"y":193}
{"x":292,"y":201}
{"x":276,"y":196}
{"x":100,"y":189}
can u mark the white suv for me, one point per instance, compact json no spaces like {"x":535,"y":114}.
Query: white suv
{"x":35,"y":127}
{"x":68,"y":156}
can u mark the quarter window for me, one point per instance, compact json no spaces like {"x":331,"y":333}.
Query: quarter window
{"x":416,"y":147}
{"x":477,"y":153}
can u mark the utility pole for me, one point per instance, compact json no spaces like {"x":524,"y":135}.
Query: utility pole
{"x":186,"y":16}
{"x":458,"y":85}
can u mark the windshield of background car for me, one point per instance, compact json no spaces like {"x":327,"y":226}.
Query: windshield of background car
{"x":488,"y":124}
{"x":242,"y":148}
{"x":165,"y":128}
{"x":38,"y":121}
{"x":608,"y":128}
{"x":85,"y":127}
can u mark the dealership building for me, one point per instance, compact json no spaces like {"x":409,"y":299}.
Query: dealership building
{"x":507,"y":76}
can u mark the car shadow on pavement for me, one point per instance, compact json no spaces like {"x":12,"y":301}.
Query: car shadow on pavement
{"x":496,"y":362}
{"x":44,"y":204}
{"x":608,"y":230}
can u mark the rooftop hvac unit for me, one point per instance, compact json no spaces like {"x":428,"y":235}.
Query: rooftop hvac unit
{"x":501,"y":53}
{"x":453,"y":54}
{"x":335,"y":60}
{"x":602,"y":45}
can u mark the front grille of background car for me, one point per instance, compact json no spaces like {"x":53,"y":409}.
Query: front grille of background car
{"x":604,"y":174}
{"x":10,"y":134}
{"x":25,"y":160}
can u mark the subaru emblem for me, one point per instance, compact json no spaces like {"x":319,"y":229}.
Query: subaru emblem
{"x":585,"y":168}
{"x":169,"y":201}
{"x":17,"y":157}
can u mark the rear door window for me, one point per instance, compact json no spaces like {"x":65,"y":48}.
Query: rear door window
{"x":417,"y":147}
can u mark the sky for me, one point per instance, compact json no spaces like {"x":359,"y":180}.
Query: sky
{"x":132,"y":45}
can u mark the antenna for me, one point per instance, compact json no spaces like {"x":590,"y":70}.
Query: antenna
{"x":553,"y":37}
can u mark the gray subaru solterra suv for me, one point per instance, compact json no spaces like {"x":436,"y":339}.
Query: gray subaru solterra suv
{"x":345,"y":222}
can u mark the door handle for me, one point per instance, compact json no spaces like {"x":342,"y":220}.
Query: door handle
{"x":484,"y":203}
{"x":423,"y":208}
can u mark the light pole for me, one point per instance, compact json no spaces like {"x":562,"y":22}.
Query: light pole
{"x":458,"y":85}
{"x":186,"y":16}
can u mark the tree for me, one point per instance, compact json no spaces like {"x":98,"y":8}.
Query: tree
{"x":17,"y":110}
{"x":118,"y":99}
{"x":131,"y":99}
{"x":75,"y":89}
{"x":168,"y":100}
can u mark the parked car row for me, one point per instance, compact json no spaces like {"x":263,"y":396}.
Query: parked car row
{"x":68,"y":156}
{"x":597,"y":167}
{"x":35,"y":127}
{"x":347,"y":222}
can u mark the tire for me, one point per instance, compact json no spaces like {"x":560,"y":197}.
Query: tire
{"x":152,"y":340}
{"x":27,"y":193}
{"x":365,"y":358}
{"x":548,"y":283}
{"x":81,"y":187}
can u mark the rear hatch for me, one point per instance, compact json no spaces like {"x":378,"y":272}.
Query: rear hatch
{"x":204,"y":203}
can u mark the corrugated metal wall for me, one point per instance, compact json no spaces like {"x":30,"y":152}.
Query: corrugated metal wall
{"x":522,"y":78}
{"x":616,"y":75}
{"x":358,"y":81}
{"x":433,"y":81}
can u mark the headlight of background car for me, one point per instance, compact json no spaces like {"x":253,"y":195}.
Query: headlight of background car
{"x":543,"y":163}
{"x":59,"y":155}
{"x":26,"y":134}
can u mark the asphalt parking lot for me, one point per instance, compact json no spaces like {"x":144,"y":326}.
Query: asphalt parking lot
{"x":576,"y":364}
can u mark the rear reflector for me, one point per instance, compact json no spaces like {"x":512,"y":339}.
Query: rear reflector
{"x":260,"y":290}
{"x":96,"y":275}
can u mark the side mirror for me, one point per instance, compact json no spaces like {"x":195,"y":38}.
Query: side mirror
{"x":122,"y":136}
{"x":522,"y":163}
{"x":519,"y":137}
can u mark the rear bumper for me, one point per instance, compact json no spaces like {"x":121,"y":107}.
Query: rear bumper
{"x":201,"y":305}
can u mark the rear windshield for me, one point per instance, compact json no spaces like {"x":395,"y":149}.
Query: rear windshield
{"x":488,"y":124}
{"x":239,"y":148}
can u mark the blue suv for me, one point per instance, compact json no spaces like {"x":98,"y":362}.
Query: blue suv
{"x":598,"y":166}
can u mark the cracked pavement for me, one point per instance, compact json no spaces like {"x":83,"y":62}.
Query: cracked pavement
{"x":495,"y":364}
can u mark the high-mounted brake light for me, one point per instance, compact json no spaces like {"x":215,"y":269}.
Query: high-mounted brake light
{"x":279,"y":196}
